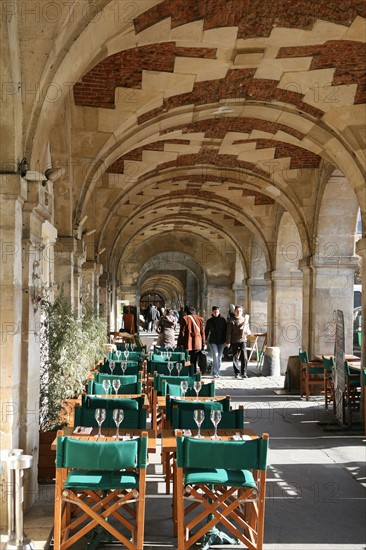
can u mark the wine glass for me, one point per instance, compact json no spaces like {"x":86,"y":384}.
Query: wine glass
{"x":118,"y":354}
{"x":199,"y":416}
{"x":118,"y":416}
{"x":99,"y":416}
{"x":215,"y":416}
{"x":116,"y":385}
{"x":184,"y":387}
{"x":124,"y":366}
{"x":106,"y":385}
{"x":197,"y":387}
{"x":170,"y":367}
{"x":112,"y":364}
{"x":179,"y":368}
{"x":168,"y":354}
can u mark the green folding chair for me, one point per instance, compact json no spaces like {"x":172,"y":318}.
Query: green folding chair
{"x":100,"y":491}
{"x":220,"y":483}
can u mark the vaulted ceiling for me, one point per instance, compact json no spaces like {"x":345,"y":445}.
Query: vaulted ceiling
{"x":203,"y":120}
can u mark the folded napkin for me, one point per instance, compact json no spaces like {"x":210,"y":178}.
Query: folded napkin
{"x":184,"y":432}
{"x":240,"y":437}
{"x":82,"y":430}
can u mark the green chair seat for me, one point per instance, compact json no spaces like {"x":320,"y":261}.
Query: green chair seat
{"x":219,"y":476}
{"x":99,"y":480}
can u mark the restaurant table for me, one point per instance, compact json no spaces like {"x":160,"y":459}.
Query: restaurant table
{"x":169,"y":446}
{"x":347,"y":357}
{"x":107,"y":435}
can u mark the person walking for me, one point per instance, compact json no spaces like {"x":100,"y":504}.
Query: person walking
{"x":192,"y":335}
{"x":236,"y":336}
{"x":165,"y":326}
{"x":215,"y":332}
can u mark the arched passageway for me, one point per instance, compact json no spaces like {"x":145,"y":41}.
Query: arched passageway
{"x":210,"y":158}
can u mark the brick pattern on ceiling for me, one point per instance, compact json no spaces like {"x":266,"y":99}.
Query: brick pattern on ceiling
{"x":97,"y":88}
{"x":254,"y":18}
{"x":348,"y":58}
{"x":136,"y":154}
{"x":210,"y":157}
{"x":237,"y":84}
{"x":300,"y":158}
{"x":218,"y":128}
{"x":201,"y":179}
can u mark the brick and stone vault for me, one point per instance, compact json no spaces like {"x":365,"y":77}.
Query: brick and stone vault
{"x":212,"y":148}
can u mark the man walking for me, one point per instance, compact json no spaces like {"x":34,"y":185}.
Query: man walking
{"x":236,"y":336}
{"x":215,"y":332}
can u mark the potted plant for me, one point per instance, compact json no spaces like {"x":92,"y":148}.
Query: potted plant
{"x":70,"y":349}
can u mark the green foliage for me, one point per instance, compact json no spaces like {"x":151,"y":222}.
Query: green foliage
{"x":70,"y":348}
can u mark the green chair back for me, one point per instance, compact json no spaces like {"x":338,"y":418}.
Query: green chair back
{"x":126,"y":379}
{"x":160,"y":381}
{"x":228,"y":455}
{"x":174,"y":389}
{"x":161,"y":368}
{"x":133,"y":368}
{"x":222,"y":405}
{"x":303,"y":355}
{"x":328,"y":363}
{"x":95,"y":402}
{"x":133,"y":418}
{"x":230,"y":420}
{"x":106,"y":456}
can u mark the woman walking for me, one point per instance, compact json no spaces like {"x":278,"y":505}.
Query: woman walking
{"x":166,"y":327}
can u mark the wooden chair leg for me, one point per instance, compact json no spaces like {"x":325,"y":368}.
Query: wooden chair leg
{"x":307,"y":384}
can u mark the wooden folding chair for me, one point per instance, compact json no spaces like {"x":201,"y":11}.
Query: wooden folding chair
{"x":311,"y":374}
{"x":100,"y":491}
{"x":221,"y":483}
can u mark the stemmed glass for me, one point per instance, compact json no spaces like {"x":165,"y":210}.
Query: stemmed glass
{"x":170,"y":367}
{"x":124,"y":366}
{"x":99,"y":416}
{"x":106,"y":385}
{"x":197,"y":387}
{"x":215,"y":416}
{"x":126,"y":353}
{"x":179,"y":368}
{"x":116,"y":385}
{"x":118,"y":416}
{"x":184,"y":387}
{"x":168,"y":354}
{"x":112,"y":364}
{"x":199,"y":416}
{"x":118,"y":354}
{"x":163,"y":355}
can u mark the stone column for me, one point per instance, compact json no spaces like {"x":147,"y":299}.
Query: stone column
{"x":361,"y":251}
{"x":79,"y":259}
{"x":37,"y":210}
{"x":104,"y":309}
{"x":88,"y":287}
{"x":241,"y":295}
{"x":258,"y":298}
{"x":64,"y":265}
{"x":13,"y":193}
{"x":287,"y":300}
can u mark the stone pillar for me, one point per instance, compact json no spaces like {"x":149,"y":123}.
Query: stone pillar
{"x":258,"y":298}
{"x":64,"y":265}
{"x":328,"y":286}
{"x":37,"y":210}
{"x":103,"y":305}
{"x":287,"y":299}
{"x":270,"y":309}
{"x":241,"y":295}
{"x":361,"y":251}
{"x":13,"y":193}
{"x":79,"y":259}
{"x":88,"y":287}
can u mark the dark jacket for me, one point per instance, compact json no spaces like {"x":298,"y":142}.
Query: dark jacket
{"x":237,"y":330}
{"x":215,"y":330}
